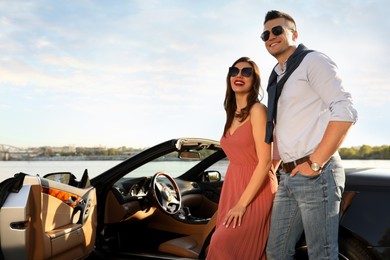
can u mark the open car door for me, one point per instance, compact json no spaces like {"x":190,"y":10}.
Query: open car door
{"x":47,"y":218}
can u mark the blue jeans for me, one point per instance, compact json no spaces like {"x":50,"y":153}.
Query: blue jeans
{"x":310,"y":204}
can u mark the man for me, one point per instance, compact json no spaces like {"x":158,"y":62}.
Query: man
{"x":309,"y":115}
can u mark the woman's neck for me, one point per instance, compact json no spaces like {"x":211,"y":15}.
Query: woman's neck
{"x":241,"y":101}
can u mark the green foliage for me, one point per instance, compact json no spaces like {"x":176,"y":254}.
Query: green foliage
{"x":366,"y":152}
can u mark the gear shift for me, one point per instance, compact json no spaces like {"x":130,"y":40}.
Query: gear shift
{"x":187,"y":212}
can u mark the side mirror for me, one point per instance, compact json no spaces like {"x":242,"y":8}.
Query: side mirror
{"x":62,"y":177}
{"x":211,"y":176}
{"x":189,"y":155}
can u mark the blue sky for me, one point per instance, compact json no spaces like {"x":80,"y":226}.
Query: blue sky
{"x":136,"y":73}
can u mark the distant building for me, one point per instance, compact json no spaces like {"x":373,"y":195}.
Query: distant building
{"x":62,"y":149}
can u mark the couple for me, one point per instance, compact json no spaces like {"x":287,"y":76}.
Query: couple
{"x":311,"y":116}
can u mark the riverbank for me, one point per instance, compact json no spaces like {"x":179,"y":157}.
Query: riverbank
{"x":73,"y":158}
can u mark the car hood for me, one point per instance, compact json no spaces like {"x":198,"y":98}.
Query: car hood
{"x":367,"y":179}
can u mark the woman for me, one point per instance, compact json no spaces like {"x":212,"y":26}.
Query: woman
{"x":247,"y":194}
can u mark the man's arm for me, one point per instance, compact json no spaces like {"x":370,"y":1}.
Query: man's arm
{"x":333,"y":137}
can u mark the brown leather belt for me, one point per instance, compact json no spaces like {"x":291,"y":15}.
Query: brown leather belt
{"x":288,"y":167}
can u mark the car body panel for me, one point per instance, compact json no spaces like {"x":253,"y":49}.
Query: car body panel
{"x":366,"y":211}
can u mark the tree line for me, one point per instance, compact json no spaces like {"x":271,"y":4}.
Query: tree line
{"x":366,"y":152}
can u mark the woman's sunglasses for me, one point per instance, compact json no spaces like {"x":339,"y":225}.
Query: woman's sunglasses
{"x":277,"y":30}
{"x":245,"y":72}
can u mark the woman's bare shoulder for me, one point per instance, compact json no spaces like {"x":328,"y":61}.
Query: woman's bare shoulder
{"x":258,"y":107}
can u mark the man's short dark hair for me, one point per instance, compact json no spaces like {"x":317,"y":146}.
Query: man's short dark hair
{"x":274,"y":14}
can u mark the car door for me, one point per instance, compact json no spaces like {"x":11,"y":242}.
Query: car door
{"x":47,"y":218}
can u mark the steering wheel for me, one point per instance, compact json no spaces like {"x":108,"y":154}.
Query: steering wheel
{"x":166,"y":193}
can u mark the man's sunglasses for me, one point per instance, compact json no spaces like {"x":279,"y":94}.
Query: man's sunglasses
{"x":245,"y":72}
{"x":277,"y":30}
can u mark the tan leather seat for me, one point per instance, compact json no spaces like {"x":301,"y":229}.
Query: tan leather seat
{"x":189,"y":246}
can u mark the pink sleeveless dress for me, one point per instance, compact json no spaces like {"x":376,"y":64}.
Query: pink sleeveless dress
{"x":248,"y":241}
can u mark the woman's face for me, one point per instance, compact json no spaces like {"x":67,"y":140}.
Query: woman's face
{"x":241,"y":77}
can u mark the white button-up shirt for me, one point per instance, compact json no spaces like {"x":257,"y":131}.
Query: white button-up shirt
{"x":311,"y":97}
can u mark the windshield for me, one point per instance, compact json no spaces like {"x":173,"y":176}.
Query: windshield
{"x":175,"y":166}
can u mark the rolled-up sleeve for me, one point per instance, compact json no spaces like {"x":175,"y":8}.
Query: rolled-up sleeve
{"x":343,"y":110}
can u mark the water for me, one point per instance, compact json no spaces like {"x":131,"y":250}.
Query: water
{"x":9,"y":168}
{"x":41,"y":168}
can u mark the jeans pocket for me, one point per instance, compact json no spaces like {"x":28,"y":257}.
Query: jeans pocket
{"x":336,"y":173}
{"x":310,"y":176}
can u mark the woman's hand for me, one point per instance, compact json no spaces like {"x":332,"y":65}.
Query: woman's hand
{"x":234,"y":216}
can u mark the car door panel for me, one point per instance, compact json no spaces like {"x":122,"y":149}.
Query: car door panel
{"x":17,"y":225}
{"x":37,"y":223}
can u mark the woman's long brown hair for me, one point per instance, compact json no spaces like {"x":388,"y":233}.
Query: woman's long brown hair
{"x":230,"y":97}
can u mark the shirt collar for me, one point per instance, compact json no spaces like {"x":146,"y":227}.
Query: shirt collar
{"x":279,"y":69}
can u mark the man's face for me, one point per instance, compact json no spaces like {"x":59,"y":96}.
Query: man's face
{"x":279,"y":35}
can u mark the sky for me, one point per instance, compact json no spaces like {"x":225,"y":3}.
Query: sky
{"x":139,"y":72}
